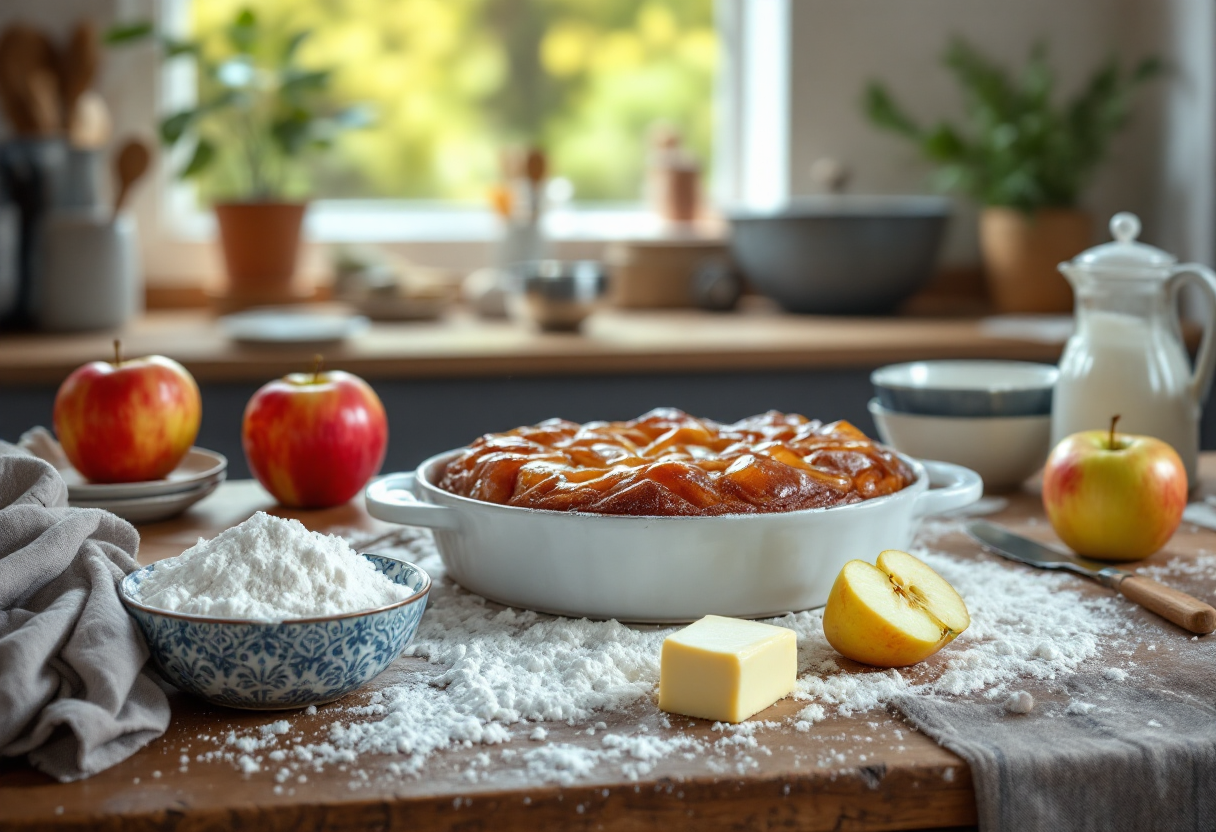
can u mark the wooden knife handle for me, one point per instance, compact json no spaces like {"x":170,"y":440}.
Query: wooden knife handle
{"x":1184,"y":610}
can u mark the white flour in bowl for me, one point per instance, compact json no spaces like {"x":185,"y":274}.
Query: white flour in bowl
{"x":269,"y":569}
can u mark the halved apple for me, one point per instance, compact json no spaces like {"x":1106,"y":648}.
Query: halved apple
{"x":893,"y":614}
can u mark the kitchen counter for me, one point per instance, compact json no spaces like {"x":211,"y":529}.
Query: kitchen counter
{"x":613,"y":342}
{"x":445,"y":382}
{"x":879,"y":775}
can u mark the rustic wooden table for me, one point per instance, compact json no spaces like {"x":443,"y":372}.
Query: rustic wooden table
{"x":883,"y":774}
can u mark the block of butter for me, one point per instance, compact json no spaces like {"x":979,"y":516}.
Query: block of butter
{"x":726,"y":669}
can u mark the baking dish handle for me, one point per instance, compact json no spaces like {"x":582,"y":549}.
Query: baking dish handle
{"x":391,"y":498}
{"x":956,"y":487}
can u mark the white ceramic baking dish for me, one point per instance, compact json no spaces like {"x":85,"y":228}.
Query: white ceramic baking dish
{"x":660,"y":569}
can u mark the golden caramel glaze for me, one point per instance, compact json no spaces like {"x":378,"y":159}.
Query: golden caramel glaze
{"x":667,"y":463}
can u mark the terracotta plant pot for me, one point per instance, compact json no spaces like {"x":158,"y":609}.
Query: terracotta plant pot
{"x":260,"y":241}
{"x":1022,"y":252}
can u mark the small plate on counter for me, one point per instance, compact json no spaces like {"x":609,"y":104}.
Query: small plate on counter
{"x":291,"y":327}
{"x":199,"y":468}
{"x":195,"y":477}
{"x":150,"y":509}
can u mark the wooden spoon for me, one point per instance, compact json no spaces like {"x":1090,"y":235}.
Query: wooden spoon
{"x":535,"y":165}
{"x":18,"y":58}
{"x":90,"y":125}
{"x":79,"y":68}
{"x":130,"y":164}
{"x":29,"y":81}
{"x":42,"y":91}
{"x":44,"y":83}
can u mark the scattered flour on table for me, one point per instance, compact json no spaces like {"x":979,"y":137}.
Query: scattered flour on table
{"x":1020,"y":702}
{"x":1202,"y":566}
{"x":492,"y":676}
{"x":269,"y":569}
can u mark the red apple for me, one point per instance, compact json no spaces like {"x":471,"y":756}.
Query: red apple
{"x":1114,"y":496}
{"x":313,"y":440}
{"x":127,"y":421}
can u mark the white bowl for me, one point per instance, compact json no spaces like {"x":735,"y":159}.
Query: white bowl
{"x":660,"y":569}
{"x":966,"y":388}
{"x":1004,"y":450}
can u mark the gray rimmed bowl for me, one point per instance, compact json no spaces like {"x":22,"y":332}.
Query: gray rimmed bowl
{"x":261,"y":665}
{"x":966,"y":388}
{"x":841,"y":254}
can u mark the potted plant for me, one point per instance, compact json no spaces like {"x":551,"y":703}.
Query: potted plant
{"x":256,"y":116}
{"x":1025,"y":159}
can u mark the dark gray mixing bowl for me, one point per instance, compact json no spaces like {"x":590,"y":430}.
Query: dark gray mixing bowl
{"x":841,"y":254}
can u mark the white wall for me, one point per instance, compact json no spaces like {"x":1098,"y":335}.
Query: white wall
{"x":841,"y":44}
{"x":1186,"y":192}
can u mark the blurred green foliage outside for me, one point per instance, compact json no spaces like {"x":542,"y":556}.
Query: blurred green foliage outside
{"x":452,"y":82}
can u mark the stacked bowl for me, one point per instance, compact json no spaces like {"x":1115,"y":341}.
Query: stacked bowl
{"x":198,"y":474}
{"x":993,"y":417}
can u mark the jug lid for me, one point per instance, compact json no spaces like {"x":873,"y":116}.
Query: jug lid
{"x":1125,"y":255}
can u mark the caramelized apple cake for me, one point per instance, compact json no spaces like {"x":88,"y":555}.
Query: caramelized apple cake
{"x":667,"y":463}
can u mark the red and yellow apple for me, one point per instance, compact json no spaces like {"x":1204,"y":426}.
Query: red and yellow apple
{"x":1112,"y":495}
{"x":313,"y":440}
{"x":127,"y":421}
{"x":893,"y":613}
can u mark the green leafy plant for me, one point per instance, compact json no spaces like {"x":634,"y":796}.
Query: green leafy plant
{"x":1018,"y":149}
{"x":258,"y":110}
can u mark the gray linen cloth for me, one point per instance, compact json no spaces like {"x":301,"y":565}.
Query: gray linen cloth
{"x":1133,"y":754}
{"x":73,"y":692}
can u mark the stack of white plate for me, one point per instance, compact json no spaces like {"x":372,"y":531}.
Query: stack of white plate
{"x":200,"y":473}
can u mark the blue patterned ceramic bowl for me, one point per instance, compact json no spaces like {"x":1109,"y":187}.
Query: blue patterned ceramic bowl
{"x":289,"y":664}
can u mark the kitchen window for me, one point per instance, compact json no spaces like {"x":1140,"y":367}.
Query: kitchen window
{"x":727,"y":85}
{"x":451,"y":83}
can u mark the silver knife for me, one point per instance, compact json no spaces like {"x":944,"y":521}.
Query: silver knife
{"x":1184,"y":610}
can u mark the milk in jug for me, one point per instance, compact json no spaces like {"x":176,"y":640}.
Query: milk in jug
{"x":1126,"y":356}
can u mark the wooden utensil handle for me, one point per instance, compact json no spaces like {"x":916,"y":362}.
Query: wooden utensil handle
{"x":124,"y":188}
{"x":1184,"y":610}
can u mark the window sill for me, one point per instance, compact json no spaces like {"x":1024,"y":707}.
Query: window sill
{"x":392,"y":221}
{"x":184,"y":258}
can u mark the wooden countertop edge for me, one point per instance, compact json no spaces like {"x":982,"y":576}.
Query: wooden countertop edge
{"x":263,"y":365}
{"x":916,"y":797}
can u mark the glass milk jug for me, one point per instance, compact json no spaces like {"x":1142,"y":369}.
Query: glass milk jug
{"x":1126,"y":356}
